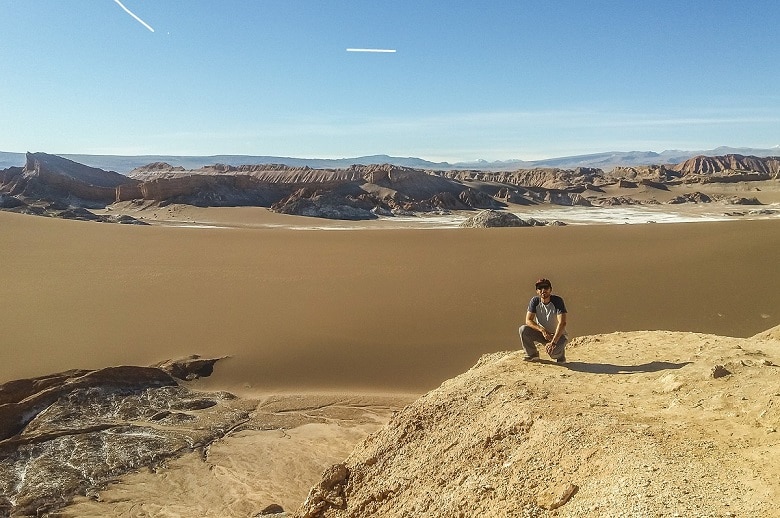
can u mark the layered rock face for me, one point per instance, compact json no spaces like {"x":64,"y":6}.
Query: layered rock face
{"x":204,"y":190}
{"x":71,"y":433}
{"x":51,"y":177}
{"x":547,"y":178}
{"x":357,"y":192}
{"x":762,"y":168}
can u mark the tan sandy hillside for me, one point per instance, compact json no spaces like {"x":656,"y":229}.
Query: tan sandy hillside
{"x":652,"y":423}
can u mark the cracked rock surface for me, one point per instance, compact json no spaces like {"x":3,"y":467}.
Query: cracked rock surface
{"x":73,"y":433}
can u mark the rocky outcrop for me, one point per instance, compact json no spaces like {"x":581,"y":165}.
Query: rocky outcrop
{"x":9,"y":202}
{"x":156,"y":168}
{"x":691,"y":197}
{"x":494,"y":218}
{"x":338,"y":203}
{"x":654,"y":173}
{"x":189,"y":368}
{"x":557,"y":197}
{"x":73,"y":432}
{"x":741,"y":200}
{"x":612,"y":201}
{"x":709,"y":165}
{"x":729,"y":176}
{"x":49,"y":177}
{"x":204,"y":190}
{"x":62,"y":211}
{"x":52,"y":186}
{"x":769,"y":334}
{"x":514,"y":438}
{"x":548,"y":178}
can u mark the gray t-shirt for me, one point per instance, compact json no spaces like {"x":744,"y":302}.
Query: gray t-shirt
{"x":547,"y":314}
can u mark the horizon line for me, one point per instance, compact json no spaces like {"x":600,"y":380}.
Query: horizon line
{"x":725,"y":148}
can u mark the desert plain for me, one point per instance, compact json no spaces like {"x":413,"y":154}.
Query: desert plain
{"x":346,"y":323}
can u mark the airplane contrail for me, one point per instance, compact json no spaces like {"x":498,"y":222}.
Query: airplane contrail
{"x":370,"y":50}
{"x":131,"y":13}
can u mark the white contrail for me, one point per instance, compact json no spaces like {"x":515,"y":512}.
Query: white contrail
{"x":131,"y":13}
{"x":370,"y":50}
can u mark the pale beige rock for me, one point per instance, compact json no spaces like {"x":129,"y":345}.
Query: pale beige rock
{"x":556,"y":496}
{"x":632,"y":425}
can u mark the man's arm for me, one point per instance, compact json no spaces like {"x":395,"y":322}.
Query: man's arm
{"x":560,"y":328}
{"x":530,"y":321}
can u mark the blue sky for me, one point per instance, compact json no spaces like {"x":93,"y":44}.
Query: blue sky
{"x":469,"y":80}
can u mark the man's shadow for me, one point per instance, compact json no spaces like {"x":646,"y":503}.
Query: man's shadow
{"x":609,"y":368}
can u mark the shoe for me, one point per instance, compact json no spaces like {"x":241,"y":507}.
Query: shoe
{"x":530,"y":358}
{"x":562,"y":359}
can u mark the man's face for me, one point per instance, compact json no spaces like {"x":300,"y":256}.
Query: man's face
{"x":544,"y":290}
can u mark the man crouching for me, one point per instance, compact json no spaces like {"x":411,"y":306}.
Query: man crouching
{"x":545,"y":322}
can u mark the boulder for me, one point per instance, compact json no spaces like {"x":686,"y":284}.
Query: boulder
{"x":189,"y":368}
{"x":328,"y":493}
{"x":493,"y":218}
{"x":9,"y":202}
{"x":690,"y":197}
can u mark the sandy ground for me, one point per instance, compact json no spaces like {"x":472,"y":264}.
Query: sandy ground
{"x":365,"y":312}
{"x":249,"y":470}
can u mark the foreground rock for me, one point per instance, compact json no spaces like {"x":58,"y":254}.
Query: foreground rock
{"x":74,"y":432}
{"x":634,"y":425}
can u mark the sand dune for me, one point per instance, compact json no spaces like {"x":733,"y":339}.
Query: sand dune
{"x":373,"y":310}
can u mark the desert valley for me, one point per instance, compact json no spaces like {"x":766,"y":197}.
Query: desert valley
{"x":243,"y":340}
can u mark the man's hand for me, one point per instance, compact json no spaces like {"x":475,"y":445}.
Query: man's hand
{"x":549,"y":347}
{"x":547,"y":335}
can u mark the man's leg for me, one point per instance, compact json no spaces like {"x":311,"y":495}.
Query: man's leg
{"x":529,"y":337}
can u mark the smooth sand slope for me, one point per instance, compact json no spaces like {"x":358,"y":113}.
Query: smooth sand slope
{"x":369,"y":310}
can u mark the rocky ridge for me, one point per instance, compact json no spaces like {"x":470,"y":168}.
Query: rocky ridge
{"x":357,"y":192}
{"x":637,"y":424}
{"x":52,"y":186}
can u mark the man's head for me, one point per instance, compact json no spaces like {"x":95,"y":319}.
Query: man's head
{"x":543,"y":284}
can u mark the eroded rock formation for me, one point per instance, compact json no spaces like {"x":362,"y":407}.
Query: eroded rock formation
{"x":709,"y":165}
{"x":357,"y":192}
{"x":51,"y":177}
{"x":73,"y":432}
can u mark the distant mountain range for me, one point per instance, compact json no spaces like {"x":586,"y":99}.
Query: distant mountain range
{"x":606,"y":161}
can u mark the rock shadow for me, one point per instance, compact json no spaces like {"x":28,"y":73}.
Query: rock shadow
{"x":610,"y":368}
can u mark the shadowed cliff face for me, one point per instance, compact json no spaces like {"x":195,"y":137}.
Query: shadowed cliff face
{"x":51,"y":178}
{"x":71,"y":433}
